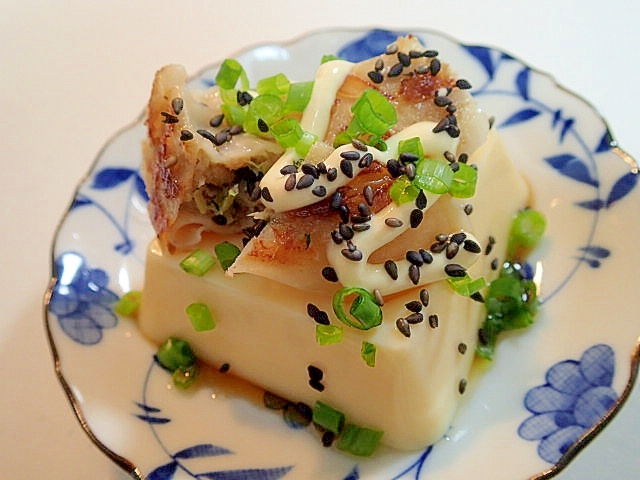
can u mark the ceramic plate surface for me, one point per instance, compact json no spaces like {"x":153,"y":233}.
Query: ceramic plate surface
{"x":550,"y":390}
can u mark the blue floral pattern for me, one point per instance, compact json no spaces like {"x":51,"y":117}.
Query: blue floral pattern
{"x":81,"y":300}
{"x":576,"y":395}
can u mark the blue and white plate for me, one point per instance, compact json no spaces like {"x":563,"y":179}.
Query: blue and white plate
{"x":550,"y":389}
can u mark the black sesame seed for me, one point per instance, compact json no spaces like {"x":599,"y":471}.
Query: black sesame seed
{"x":495,"y":263}
{"x":354,"y":255}
{"x":287,"y":169}
{"x":404,"y":59}
{"x":453,"y":131}
{"x":441,"y":237}
{"x":336,"y":237}
{"x":462,"y":386}
{"x":361,"y":227}
{"x":393,"y":166}
{"x":368,"y":194}
{"x":471,"y":246}
{"x":309,"y":169}
{"x":312,"y":310}
{"x":426,"y":256}
{"x":449,"y":156}
{"x":422,"y":69}
{"x":345,"y":231}
{"x":414,"y":318}
{"x":222,"y":137}
{"x":327,"y":438}
{"x":224,"y":368}
{"x":346,"y":167}
{"x":360,"y":218}
{"x":468,"y":209}
{"x":350,"y":155}
{"x":319,"y":191}
{"x":236,"y":129}
{"x":321,"y":168}
{"x":462,"y":348}
{"x":316,"y":385}
{"x":452,"y":250}
{"x":455,"y":270}
{"x":415,"y":54}
{"x":414,"y":274}
{"x":375,"y":76}
{"x":217,"y":120}
{"x":243,"y":98}
{"x":332,"y":174}
{"x":490,"y":244}
{"x":343,"y":210}
{"x":322,"y":318}
{"x":336,"y":201}
{"x":298,"y":414}
{"x":290,"y":183}
{"x":435,"y":66}
{"x":413,"y":306}
{"x":458,"y":237}
{"x":421,"y":200}
{"x":477,"y":296}
{"x":273,"y":401}
{"x":177,"y":104}
{"x":169,"y":118}
{"x":391,"y":49}
{"x":379,"y":297}
{"x":430,"y":53}
{"x":414,"y":258}
{"x":364,"y":209}
{"x":434,"y":321}
{"x":266,"y":195}
{"x":451,"y":109}
{"x":305,"y":181}
{"x":366,"y":160}
{"x":410,"y":171}
{"x":403,"y":327}
{"x":186,"y":135}
{"x":483,"y":336}
{"x":463,"y":158}
{"x":220,"y":219}
{"x":359,"y":145}
{"x":463,"y":84}
{"x":415,"y":218}
{"x":441,"y":126}
{"x":438,"y":247}
{"x":424,"y":297}
{"x":329,"y":274}
{"x":262,"y":126}
{"x":392,"y":269}
{"x":406,"y":157}
{"x":208,"y":135}
{"x":393,"y":222}
{"x":395,"y":70}
{"x":379,"y":65}
{"x":254,"y":193}
{"x":314,"y":372}
{"x":442,"y":101}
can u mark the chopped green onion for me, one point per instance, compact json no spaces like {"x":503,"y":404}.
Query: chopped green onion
{"x":277,"y":84}
{"x":374,"y":113}
{"x":433,"y":175}
{"x":128,"y":304}
{"x":368,"y":353}
{"x":465,"y":285}
{"x":287,"y":132}
{"x":227,"y":253}
{"x":200,"y":316}
{"x":175,"y":353}
{"x":328,"y":334}
{"x":267,"y":108}
{"x":365,"y":311}
{"x":298,"y":96}
{"x":305,"y":143}
{"x":328,"y":58}
{"x":526,"y":231}
{"x":198,"y":262}
{"x":403,"y":190}
{"x":184,"y":377}
{"x":464,"y":182}
{"x":358,"y":440}
{"x":328,"y":417}
{"x":230,"y":72}
{"x":411,"y":145}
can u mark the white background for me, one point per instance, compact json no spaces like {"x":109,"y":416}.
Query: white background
{"x":74,"y":72}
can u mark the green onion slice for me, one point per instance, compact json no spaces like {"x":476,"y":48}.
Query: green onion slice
{"x":267,"y":107}
{"x":277,"y":84}
{"x":364,"y":314}
{"x":184,"y":377}
{"x":230,"y":72}
{"x":198,"y":262}
{"x":526,"y":231}
{"x":403,"y":190}
{"x":433,"y":175}
{"x":328,"y":334}
{"x":287,"y":132}
{"x":298,"y":96}
{"x":200,"y":316}
{"x":467,"y":286}
{"x":464,"y":182}
{"x":411,"y":145}
{"x":227,"y":253}
{"x":128,"y":304}
{"x":374,"y":112}
{"x":328,"y":417}
{"x":175,"y":353}
{"x":368,"y":353}
{"x":358,"y":440}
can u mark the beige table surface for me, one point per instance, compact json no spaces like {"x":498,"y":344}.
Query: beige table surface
{"x":74,"y":72}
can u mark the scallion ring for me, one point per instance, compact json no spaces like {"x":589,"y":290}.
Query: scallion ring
{"x":364,"y":313}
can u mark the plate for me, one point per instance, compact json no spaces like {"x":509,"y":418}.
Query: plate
{"x":550,"y":389}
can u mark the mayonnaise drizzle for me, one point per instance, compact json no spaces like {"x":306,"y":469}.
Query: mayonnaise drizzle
{"x":315,"y":119}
